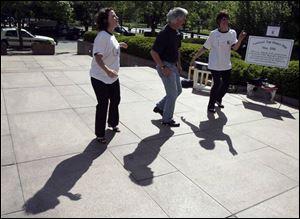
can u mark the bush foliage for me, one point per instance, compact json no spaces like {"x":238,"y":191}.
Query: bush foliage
{"x":286,"y":79}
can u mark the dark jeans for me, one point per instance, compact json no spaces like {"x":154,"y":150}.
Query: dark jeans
{"x":219,"y":89}
{"x":106,"y":93}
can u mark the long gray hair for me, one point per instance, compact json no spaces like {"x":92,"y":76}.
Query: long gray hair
{"x":176,"y":13}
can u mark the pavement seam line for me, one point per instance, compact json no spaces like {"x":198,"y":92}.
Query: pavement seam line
{"x":280,"y":173}
{"x":139,"y":186}
{"x":130,"y":130}
{"x":13,"y":212}
{"x":274,"y":196}
{"x":15,"y":157}
{"x":13,"y":147}
{"x":258,"y":140}
{"x":190,"y":180}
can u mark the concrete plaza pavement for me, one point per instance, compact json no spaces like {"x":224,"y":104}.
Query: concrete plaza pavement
{"x":241,"y":162}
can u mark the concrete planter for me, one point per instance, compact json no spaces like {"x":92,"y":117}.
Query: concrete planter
{"x":126,"y":60}
{"x":287,"y":100}
{"x":84,"y":47}
{"x":278,"y":97}
{"x":3,"y":49}
{"x":43,"y":49}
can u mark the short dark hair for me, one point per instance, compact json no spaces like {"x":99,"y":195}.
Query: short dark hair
{"x":221,"y":15}
{"x":102,"y":18}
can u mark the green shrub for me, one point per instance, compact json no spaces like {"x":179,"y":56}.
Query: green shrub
{"x":194,"y":40}
{"x":187,"y":51}
{"x":243,"y":72}
{"x":90,"y":36}
{"x":286,"y":79}
{"x":138,"y":45}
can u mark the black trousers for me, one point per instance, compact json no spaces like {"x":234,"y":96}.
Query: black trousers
{"x":220,"y":86}
{"x":106,"y":94}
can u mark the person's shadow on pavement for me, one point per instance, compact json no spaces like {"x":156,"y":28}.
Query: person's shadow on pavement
{"x":137,"y":163}
{"x":64,"y":177}
{"x":217,"y":134}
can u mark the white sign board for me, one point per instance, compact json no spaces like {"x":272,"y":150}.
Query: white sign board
{"x":273,"y":31}
{"x":268,"y":51}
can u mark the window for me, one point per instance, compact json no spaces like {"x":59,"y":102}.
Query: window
{"x":11,"y":33}
{"x":25,"y":34}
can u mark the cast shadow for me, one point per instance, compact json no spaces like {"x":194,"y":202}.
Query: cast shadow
{"x":215,"y":124}
{"x":137,"y":163}
{"x":64,"y":177}
{"x":203,"y":92}
{"x":269,"y":112}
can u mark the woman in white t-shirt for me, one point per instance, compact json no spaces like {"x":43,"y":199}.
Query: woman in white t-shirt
{"x":220,"y":42}
{"x":104,"y":73}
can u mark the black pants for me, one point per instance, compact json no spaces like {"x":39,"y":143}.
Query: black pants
{"x":220,"y":87}
{"x":106,"y":93}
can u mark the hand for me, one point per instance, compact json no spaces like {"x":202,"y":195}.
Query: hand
{"x":112,"y":73}
{"x":123,"y":45}
{"x":193,"y":63}
{"x":166,"y":71}
{"x":242,"y":35}
{"x":183,"y":119}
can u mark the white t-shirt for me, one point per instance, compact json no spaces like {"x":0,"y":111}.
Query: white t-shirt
{"x":220,"y":47}
{"x":107,"y":45}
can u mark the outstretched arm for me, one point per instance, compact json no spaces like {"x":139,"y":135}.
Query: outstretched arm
{"x":240,"y":40}
{"x":197,"y":55}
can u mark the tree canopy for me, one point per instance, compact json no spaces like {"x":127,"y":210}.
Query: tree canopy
{"x":252,"y":16}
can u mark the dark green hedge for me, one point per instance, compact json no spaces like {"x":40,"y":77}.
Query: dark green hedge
{"x":286,"y":79}
{"x":90,"y":36}
{"x":138,"y":45}
{"x":141,"y":46}
{"x":194,"y":40}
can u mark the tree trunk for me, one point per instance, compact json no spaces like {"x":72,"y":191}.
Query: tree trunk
{"x":156,"y":19}
{"x":153,"y":25}
{"x":160,"y":11}
{"x":20,"y":34}
{"x":121,"y":20}
{"x":86,"y":27}
{"x":9,"y":22}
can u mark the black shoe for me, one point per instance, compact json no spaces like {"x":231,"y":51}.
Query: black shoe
{"x":171,"y":124}
{"x":157,"y":110}
{"x":101,"y":140}
{"x":219,"y":104}
{"x":115,"y":129}
{"x":212,"y":110}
